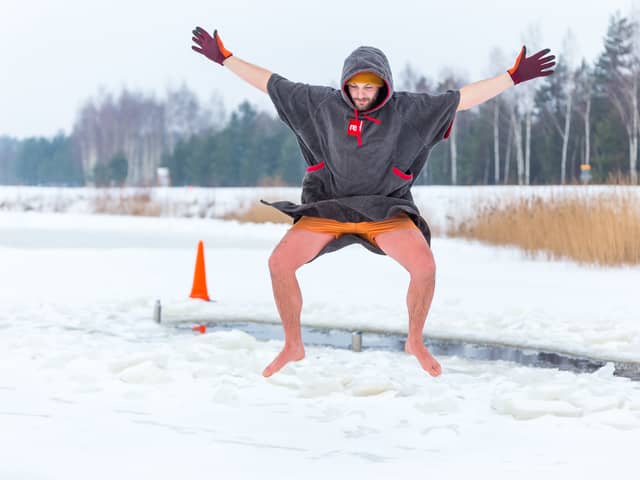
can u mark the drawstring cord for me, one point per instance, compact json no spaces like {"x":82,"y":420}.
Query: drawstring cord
{"x":366,"y":117}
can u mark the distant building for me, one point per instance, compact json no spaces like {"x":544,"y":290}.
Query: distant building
{"x":163,"y":179}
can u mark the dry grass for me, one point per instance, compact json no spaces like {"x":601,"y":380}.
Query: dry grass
{"x":276,"y":181}
{"x":619,"y":178}
{"x":138,"y":204}
{"x":258,"y":213}
{"x":599,"y":229}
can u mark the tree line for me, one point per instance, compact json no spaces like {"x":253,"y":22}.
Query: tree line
{"x":585,"y":117}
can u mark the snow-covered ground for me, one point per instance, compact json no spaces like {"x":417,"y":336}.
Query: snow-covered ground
{"x":442,"y":206}
{"x":90,"y":387}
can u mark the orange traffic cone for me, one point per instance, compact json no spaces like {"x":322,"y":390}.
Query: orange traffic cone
{"x":199,"y":289}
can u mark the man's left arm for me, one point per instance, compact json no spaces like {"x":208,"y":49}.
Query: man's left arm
{"x":525,"y":68}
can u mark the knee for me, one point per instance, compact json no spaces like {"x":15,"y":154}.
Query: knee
{"x":423,"y":270}
{"x":280,"y":263}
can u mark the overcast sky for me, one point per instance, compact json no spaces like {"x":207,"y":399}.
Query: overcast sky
{"x":56,"y":54}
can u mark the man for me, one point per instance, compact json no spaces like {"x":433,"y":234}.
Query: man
{"x":364,"y":145}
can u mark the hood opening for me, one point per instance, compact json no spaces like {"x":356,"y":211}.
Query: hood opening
{"x":368,"y":59}
{"x":383,"y":94}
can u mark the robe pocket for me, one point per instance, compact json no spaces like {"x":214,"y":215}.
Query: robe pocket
{"x":403,"y":175}
{"x":315,"y":184}
{"x":315,"y":168}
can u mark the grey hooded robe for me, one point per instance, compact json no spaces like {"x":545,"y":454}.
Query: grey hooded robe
{"x":361,"y":165}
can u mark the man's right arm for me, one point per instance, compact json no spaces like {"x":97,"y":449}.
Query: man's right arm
{"x":214,"y":50}
{"x":525,"y":68}
{"x":252,"y":74}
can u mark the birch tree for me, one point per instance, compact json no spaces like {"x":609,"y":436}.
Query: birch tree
{"x":556,"y":98}
{"x":635,"y":72}
{"x":617,"y":69}
{"x":497,"y":62}
{"x":186,"y":116}
{"x":514,"y":99}
{"x":516,"y":126}
{"x":182,"y":115}
{"x":451,"y":80}
{"x":531,"y":38}
{"x":507,"y":154}
{"x":569,"y":55}
{"x":412,"y":81}
{"x":584,"y":94}
{"x":132,"y":124}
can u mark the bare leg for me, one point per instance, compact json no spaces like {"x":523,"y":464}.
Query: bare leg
{"x":295,"y":249}
{"x":409,"y":248}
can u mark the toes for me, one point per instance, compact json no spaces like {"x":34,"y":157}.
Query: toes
{"x":272,"y":368}
{"x":275,"y":366}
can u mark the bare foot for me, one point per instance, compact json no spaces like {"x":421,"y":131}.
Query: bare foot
{"x":288,"y":354}
{"x":427,"y":361}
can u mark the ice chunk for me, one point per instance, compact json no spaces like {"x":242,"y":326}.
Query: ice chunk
{"x":439,"y":404}
{"x":592,"y":402}
{"x":120,"y":365}
{"x":606,"y":371}
{"x":365,"y":387}
{"x":232,"y":340}
{"x":620,"y":419}
{"x":145,"y":373}
{"x":320,"y":388}
{"x":523,"y":408}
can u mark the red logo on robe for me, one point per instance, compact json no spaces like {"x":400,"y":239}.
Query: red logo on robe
{"x":354,"y":128}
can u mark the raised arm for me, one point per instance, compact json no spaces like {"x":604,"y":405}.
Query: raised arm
{"x":525,"y":68}
{"x":253,"y":74}
{"x":213,"y":49}
{"x":479,"y":92}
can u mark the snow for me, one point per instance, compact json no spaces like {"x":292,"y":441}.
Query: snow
{"x":442,"y":206}
{"x":92,"y":387}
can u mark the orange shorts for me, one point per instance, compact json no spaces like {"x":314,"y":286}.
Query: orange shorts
{"x":366,"y":230}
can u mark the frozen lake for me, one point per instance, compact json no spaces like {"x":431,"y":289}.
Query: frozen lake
{"x":91,"y":387}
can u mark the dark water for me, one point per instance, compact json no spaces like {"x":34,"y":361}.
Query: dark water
{"x":339,"y":338}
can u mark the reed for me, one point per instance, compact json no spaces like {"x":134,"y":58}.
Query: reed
{"x":602,"y":229}
{"x":138,"y":204}
{"x":258,"y":213}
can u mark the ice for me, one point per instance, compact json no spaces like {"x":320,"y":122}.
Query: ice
{"x":606,"y":371}
{"x":146,"y":372}
{"x":83,"y":367}
{"x":370,"y":385}
{"x":232,"y":340}
{"x":522,"y":407}
{"x":619,"y":419}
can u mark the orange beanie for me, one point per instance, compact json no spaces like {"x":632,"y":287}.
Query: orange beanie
{"x":367,"y":77}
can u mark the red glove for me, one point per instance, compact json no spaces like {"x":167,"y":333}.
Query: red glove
{"x":536,"y":65}
{"x":212,"y":48}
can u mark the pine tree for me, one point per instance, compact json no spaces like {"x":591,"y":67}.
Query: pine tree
{"x":616,"y":73}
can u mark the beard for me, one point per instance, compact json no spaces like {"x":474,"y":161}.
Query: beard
{"x":365,"y":104}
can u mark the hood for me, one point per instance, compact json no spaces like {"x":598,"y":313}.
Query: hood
{"x":367,"y":59}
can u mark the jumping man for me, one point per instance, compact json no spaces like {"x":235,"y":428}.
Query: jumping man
{"x":364,"y":145}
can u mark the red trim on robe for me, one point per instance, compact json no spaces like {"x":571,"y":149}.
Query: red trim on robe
{"x":448,"y":132}
{"x":401,"y":174}
{"x":313,"y":168}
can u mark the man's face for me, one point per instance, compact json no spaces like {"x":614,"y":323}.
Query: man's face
{"x":363,"y":95}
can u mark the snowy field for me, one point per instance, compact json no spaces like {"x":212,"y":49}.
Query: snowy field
{"x":92,"y":388}
{"x":442,"y":206}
